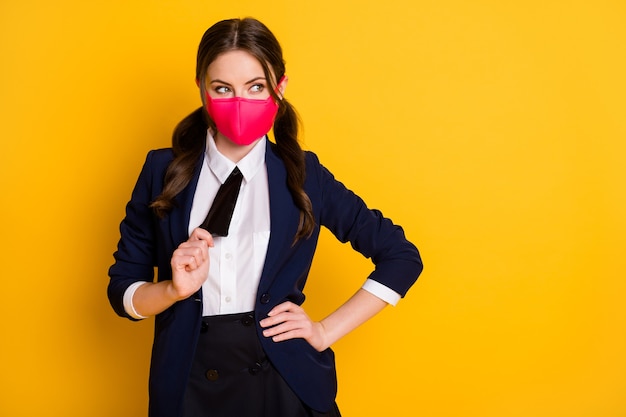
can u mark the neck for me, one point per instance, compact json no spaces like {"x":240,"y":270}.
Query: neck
{"x":231,"y":150}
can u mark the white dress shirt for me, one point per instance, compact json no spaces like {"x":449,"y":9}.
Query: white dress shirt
{"x":236,"y":261}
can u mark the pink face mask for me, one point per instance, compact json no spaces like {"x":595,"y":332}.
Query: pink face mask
{"x":242,"y":120}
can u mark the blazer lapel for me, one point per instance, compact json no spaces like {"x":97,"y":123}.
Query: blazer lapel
{"x":284,"y":217}
{"x":179,"y":217}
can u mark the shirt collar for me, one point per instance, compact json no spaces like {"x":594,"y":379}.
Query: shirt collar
{"x":221,"y":166}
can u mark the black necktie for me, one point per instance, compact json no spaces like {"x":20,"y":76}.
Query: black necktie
{"x":218,"y":219}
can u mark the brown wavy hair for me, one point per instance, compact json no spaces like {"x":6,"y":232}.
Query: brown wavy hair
{"x":188,"y":139}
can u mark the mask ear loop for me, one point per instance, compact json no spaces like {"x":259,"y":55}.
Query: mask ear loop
{"x":277,"y":91}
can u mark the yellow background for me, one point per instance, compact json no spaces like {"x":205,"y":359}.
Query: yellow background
{"x":493,"y":131}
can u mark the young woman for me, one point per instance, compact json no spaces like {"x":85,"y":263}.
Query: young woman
{"x":231,"y":338}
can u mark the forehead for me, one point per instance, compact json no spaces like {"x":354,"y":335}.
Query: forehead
{"x":235,"y":66}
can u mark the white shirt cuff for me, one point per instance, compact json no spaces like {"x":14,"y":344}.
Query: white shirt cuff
{"x":128,"y":300}
{"x":381,"y":291}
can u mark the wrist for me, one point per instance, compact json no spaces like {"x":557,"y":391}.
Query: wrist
{"x":323,"y":337}
{"x":171,"y":293}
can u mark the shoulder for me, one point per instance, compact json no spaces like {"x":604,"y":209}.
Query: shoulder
{"x":315,"y":169}
{"x":312,"y":161}
{"x":161,"y":156}
{"x":157,"y":161}
{"x":154,"y":166}
{"x":311,"y":157}
{"x":316,"y":173}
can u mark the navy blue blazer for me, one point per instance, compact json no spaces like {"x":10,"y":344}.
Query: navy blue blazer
{"x":147,"y":241}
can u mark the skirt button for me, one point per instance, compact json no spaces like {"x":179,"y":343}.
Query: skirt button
{"x":212,"y":375}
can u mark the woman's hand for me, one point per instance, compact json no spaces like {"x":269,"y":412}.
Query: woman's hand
{"x":190,"y":268}
{"x":289,"y":321}
{"x":190,"y":264}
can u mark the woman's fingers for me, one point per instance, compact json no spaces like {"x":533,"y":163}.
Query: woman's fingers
{"x":194,"y":251}
{"x":289,"y":329}
{"x":190,"y":255}
{"x":284,"y":312}
{"x":201,"y":234}
{"x":190,"y":263}
{"x":286,"y":306}
{"x":290,"y":321}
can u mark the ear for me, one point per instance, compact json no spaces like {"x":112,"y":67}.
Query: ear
{"x":198,"y":82}
{"x":282,"y":85}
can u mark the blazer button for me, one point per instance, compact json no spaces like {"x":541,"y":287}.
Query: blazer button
{"x":212,"y":375}
{"x":265,"y":298}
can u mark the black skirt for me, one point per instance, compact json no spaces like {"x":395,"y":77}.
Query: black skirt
{"x":232,"y":377}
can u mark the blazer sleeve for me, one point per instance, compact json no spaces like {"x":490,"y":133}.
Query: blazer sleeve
{"x":136,"y":253}
{"x":397,"y":261}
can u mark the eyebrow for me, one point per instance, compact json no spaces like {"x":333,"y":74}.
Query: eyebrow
{"x":255,"y":79}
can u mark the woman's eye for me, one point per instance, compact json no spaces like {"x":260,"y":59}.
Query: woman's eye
{"x":257,"y":88}
{"x":222,"y":90}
